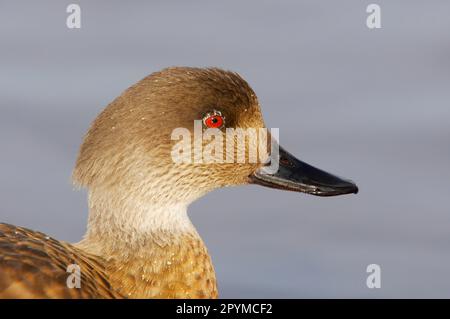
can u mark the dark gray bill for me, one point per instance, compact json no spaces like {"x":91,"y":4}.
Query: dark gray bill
{"x":295,"y":175}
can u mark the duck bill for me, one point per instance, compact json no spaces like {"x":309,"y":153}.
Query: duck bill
{"x":298,"y":176}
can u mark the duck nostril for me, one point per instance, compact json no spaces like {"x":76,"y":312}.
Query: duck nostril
{"x":286,"y":162}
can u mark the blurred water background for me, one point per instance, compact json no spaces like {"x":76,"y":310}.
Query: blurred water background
{"x":371,"y":105}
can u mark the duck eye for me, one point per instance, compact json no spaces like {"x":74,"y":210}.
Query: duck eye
{"x":214,"y":120}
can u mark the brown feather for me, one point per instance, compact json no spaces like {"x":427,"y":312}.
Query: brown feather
{"x":33,"y":265}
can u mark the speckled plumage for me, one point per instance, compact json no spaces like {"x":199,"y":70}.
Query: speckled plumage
{"x":33,"y":265}
{"x":182,"y":269}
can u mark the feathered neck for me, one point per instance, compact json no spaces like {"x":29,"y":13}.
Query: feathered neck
{"x":151,"y":250}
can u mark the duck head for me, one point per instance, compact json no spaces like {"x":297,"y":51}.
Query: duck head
{"x":129,"y":147}
{"x":139,"y":191}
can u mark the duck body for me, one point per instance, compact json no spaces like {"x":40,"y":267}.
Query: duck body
{"x":34,"y":265}
{"x":140,"y":242}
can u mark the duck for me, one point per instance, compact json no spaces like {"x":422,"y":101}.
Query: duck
{"x":140,"y":241}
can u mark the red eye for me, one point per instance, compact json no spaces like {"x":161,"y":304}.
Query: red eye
{"x":215,"y":120}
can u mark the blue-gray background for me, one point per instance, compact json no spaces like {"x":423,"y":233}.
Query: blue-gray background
{"x":371,"y":105}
